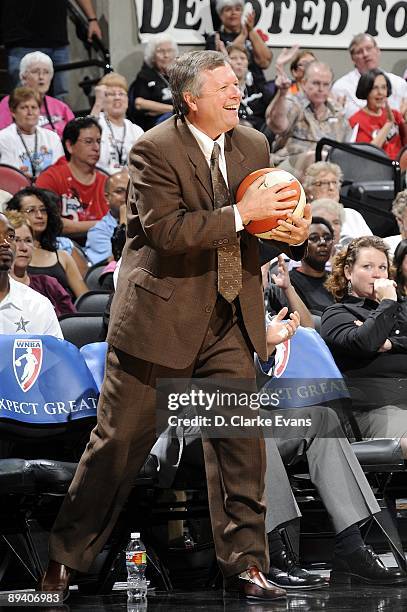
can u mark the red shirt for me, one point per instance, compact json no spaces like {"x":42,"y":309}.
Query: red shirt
{"x":369,"y":125}
{"x":79,"y":202}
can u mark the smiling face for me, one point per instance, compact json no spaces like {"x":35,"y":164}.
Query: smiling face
{"x":369,"y":265}
{"x":24,"y":247}
{"x":365,"y":55}
{"x":116,"y":102}
{"x":377,"y":97}
{"x":38,"y":76}
{"x":215,"y":110}
{"x":7,"y":244}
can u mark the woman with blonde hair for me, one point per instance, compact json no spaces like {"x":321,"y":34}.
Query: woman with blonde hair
{"x":118,"y":133}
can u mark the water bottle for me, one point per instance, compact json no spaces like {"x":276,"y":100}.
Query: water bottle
{"x":136,"y":562}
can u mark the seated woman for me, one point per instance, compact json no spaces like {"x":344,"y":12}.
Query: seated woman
{"x":150,"y":98}
{"x":366,"y":331}
{"x":36,"y":72}
{"x":377,"y":123}
{"x":44,"y":284}
{"x":323,"y":180}
{"x":46,"y":224}
{"x":118,"y":133}
{"x":24,"y":145}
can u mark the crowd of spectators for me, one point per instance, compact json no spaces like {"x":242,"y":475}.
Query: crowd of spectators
{"x":74,"y":214}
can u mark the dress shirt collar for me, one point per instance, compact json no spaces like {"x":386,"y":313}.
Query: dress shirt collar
{"x":13,"y":296}
{"x":206,"y":143}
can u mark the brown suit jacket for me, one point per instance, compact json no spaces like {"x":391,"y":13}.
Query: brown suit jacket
{"x":167,"y":285}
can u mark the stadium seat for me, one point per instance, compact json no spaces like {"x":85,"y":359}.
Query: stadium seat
{"x":12,"y":180}
{"x":93,"y":274}
{"x":92,"y":301}
{"x":82,"y":328}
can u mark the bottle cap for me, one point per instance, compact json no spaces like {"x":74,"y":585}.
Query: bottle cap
{"x":135,"y":535}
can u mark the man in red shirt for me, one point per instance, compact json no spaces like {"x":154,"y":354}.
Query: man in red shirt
{"x":75,"y":178}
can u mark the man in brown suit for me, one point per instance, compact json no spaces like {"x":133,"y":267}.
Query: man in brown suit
{"x":170,"y":319}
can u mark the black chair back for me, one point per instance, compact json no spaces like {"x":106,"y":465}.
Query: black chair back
{"x":82,"y":328}
{"x":93,"y":301}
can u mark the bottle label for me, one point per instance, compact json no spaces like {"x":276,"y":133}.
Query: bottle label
{"x":138,"y":558}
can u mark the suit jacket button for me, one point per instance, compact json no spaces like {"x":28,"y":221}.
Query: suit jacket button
{"x":226,"y":241}
{"x":208,"y":308}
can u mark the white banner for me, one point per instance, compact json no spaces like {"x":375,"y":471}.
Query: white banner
{"x":309,"y":23}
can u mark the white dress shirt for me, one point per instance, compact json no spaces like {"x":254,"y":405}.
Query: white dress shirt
{"x":206,"y":143}
{"x":25,"y":311}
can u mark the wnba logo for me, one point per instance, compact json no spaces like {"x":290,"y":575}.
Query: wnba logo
{"x":27,"y":361}
{"x":281,"y":358}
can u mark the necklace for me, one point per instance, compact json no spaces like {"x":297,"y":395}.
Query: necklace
{"x":35,"y":160}
{"x":115,"y":143}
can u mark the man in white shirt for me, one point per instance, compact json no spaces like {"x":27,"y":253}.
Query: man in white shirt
{"x":22,"y":310}
{"x":365,"y":55}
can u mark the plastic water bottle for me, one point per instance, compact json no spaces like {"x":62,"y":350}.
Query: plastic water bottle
{"x":136,"y":563}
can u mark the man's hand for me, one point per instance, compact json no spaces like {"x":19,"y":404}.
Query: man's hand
{"x":264,"y":203}
{"x":279,"y":331}
{"x":282,"y":278}
{"x":94,"y":29}
{"x":283,"y":82}
{"x":297,"y":228}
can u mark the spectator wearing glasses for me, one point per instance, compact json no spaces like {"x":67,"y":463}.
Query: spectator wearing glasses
{"x":365,"y":55}
{"x":150,"y":98}
{"x":118,"y":133}
{"x":46,"y":223}
{"x":23,"y":144}
{"x":44,"y":284}
{"x":309,"y":278}
{"x":301,"y":120}
{"x":75,"y":178}
{"x":36,"y":72}
{"x":322,"y":180}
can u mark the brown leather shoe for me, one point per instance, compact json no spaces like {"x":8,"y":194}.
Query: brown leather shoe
{"x":251,"y":584}
{"x":57,"y":578}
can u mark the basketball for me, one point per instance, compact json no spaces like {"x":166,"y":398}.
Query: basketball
{"x":272,"y":176}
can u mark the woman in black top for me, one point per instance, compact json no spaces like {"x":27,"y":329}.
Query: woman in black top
{"x":150,"y":98}
{"x":366,"y":332}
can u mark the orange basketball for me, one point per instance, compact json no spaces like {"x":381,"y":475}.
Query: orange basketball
{"x":272,"y":176}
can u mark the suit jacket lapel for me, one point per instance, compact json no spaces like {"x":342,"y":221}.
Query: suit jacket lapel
{"x":196,"y":157}
{"x":235,"y":164}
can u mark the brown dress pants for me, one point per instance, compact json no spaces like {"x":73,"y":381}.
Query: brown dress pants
{"x":124,"y":435}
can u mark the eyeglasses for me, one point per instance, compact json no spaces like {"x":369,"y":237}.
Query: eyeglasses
{"x":90,"y":141}
{"x":362,"y":50}
{"x":315,"y":238}
{"x":116,"y":94}
{"x":32,"y":210}
{"x":326,"y":183}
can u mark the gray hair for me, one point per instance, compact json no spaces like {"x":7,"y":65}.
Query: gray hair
{"x":314,"y":170}
{"x":358,"y":38}
{"x":221,"y":4}
{"x":153,"y":43}
{"x":318,"y":207}
{"x":400,"y":204}
{"x":185,"y":75}
{"x":36,"y":57}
